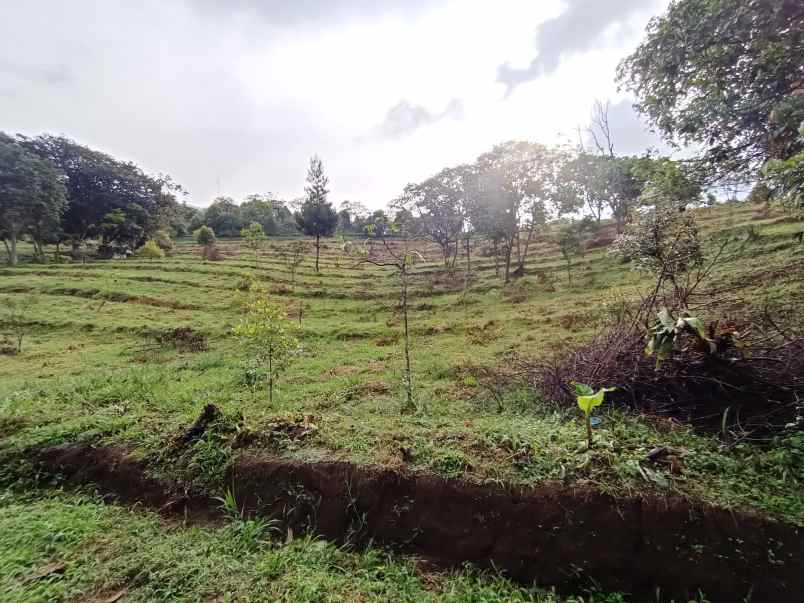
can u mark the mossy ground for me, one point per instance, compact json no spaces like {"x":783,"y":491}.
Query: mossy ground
{"x":87,"y":370}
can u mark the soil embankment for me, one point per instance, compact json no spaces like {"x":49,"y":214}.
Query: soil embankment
{"x":554,"y":536}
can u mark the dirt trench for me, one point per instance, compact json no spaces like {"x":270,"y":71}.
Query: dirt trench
{"x":553,"y":536}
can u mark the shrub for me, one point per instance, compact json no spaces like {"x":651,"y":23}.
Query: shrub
{"x":211,"y":253}
{"x":204,"y":236}
{"x":267,"y":334}
{"x":163,"y":240}
{"x":662,"y":241}
{"x":150,"y":251}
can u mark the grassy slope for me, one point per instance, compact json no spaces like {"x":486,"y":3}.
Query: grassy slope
{"x":81,"y":375}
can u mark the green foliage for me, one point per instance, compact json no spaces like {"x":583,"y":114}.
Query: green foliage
{"x":710,"y":73}
{"x":668,"y":184}
{"x":665,"y":334}
{"x":266,"y":333}
{"x":571,"y":240}
{"x":100,"y":187}
{"x":162,"y":238}
{"x":663,"y":241}
{"x":785,"y":179}
{"x":13,"y":321}
{"x":32,"y":197}
{"x":204,"y":236}
{"x":292,"y":256}
{"x":223,"y":217}
{"x":588,"y":400}
{"x":254,"y":236}
{"x":316,"y":217}
{"x":260,"y":209}
{"x":150,"y":251}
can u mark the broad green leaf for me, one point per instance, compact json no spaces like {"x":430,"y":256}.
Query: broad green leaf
{"x":581,"y":389}
{"x":697,"y":325}
{"x":587,"y":403}
{"x":665,"y":318}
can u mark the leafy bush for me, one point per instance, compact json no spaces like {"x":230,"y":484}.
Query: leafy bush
{"x":150,"y":251}
{"x":664,"y":335}
{"x":163,"y":240}
{"x":204,"y":236}
{"x":662,"y":241}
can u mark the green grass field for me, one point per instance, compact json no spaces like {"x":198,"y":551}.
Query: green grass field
{"x":90,"y":371}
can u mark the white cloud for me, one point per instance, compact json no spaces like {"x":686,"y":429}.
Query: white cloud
{"x":245,"y":96}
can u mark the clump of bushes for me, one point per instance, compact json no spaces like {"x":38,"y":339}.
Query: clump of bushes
{"x":150,"y":251}
{"x":205,"y":237}
{"x":163,"y":240}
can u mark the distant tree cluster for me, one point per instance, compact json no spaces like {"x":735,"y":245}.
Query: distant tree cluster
{"x":510,"y":194}
{"x":56,"y":191}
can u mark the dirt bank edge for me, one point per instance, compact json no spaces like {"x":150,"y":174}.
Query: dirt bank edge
{"x":553,"y":536}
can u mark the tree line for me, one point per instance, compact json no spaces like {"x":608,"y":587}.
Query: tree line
{"x":510,"y":195}
{"x":56,"y":191}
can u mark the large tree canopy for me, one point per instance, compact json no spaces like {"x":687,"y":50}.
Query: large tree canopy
{"x":101,"y":191}
{"x":259,"y":209}
{"x":223,"y":216}
{"x":32,"y":196}
{"x":712,"y":72}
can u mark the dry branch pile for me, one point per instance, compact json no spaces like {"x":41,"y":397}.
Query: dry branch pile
{"x":753,"y":383}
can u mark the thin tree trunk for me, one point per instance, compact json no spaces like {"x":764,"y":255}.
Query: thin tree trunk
{"x":317,"y":251}
{"x":525,"y":254}
{"x":508,"y":251}
{"x":468,"y":246}
{"x":12,"y":249}
{"x":408,"y":378}
{"x":8,"y":250}
{"x":270,"y":375}
{"x":496,"y":258}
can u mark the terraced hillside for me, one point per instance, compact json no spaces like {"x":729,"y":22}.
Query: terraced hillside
{"x":125,"y":355}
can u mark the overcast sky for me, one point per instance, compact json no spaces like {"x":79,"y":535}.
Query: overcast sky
{"x":234,"y":97}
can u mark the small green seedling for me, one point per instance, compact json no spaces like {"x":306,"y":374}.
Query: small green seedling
{"x":587,"y":401}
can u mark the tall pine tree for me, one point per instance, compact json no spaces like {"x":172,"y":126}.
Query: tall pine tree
{"x":316,"y":217}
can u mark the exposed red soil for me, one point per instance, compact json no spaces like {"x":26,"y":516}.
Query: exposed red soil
{"x":553,"y":536}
